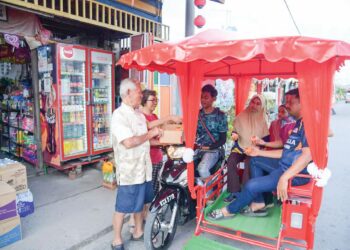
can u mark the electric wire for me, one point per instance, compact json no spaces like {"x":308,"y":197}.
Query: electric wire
{"x":291,"y":16}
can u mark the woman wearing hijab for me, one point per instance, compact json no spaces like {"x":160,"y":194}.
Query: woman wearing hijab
{"x":250,"y":122}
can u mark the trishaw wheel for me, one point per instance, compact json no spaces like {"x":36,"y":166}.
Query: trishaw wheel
{"x":157,"y":235}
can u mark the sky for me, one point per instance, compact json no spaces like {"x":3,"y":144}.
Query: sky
{"x":265,"y":18}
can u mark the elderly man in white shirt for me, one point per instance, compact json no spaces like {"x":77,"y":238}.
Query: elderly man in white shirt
{"x":132,"y":156}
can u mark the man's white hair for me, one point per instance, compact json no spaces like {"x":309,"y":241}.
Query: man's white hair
{"x":125,"y":85}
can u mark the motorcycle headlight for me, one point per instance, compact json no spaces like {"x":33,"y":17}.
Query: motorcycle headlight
{"x":175,"y":152}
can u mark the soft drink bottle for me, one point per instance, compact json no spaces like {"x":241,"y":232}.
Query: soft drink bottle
{"x":95,"y":141}
{"x":82,"y":130}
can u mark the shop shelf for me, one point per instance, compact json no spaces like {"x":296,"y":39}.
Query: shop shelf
{"x":17,"y":144}
{"x":7,"y":125}
{"x":73,"y":123}
{"x":72,"y":94}
{"x":99,"y":76}
{"x":96,"y":102}
{"x":5,"y":149}
{"x":74,"y":138}
{"x":73,"y":108}
{"x":72,"y":73}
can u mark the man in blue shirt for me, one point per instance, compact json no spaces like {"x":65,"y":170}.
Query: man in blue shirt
{"x":281,"y":165}
{"x":211,"y":131}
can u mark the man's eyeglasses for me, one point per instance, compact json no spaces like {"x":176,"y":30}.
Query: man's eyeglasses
{"x":153,"y":100}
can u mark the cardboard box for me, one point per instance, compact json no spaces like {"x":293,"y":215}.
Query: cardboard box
{"x":10,"y":231}
{"x":7,"y":201}
{"x":14,"y":174}
{"x":172,"y":134}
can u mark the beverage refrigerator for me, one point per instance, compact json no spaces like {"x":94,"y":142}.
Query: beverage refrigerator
{"x":101,"y":85}
{"x":78,"y":103}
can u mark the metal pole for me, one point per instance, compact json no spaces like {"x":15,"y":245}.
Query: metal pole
{"x":189,"y":27}
{"x":37,"y":127}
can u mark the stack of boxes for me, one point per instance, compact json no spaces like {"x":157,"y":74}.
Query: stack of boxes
{"x":13,"y":181}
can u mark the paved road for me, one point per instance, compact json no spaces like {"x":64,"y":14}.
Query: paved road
{"x":77,"y":214}
{"x":333,"y":225}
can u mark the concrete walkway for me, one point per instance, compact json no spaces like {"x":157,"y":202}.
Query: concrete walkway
{"x":67,"y":212}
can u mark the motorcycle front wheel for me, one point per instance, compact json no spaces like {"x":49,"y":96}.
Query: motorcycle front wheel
{"x":158,"y":233}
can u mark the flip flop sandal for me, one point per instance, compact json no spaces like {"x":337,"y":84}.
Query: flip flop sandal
{"x":136,"y":239}
{"x":218,"y":215}
{"x":117,"y":247}
{"x":258,"y":213}
{"x":270,"y":205}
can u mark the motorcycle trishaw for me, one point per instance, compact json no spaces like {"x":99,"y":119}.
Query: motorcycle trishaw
{"x":215,"y":54}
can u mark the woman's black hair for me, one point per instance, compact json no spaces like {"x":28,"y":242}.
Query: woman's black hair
{"x":210,"y":89}
{"x":147,"y":93}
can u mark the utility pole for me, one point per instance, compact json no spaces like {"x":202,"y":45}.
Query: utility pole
{"x":37,"y":127}
{"x":189,"y":26}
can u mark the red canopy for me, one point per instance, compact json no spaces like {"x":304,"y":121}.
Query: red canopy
{"x":216,"y":54}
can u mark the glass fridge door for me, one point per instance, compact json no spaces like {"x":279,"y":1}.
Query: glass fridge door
{"x":74,"y":113}
{"x":101,"y":100}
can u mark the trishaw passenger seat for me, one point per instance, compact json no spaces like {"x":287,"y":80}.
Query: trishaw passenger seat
{"x":303,"y":190}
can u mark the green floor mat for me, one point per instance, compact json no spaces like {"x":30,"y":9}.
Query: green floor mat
{"x":268,"y":226}
{"x":201,"y":243}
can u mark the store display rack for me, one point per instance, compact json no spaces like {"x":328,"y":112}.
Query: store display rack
{"x":17,"y":125}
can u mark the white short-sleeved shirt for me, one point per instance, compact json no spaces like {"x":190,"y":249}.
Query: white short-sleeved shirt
{"x":133,"y":165}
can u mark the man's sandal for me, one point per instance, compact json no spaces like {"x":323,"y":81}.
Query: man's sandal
{"x":258,"y":213}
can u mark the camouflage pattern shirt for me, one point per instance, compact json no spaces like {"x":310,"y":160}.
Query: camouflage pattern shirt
{"x":216,"y":123}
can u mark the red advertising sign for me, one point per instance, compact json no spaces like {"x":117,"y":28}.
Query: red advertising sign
{"x":68,"y":51}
